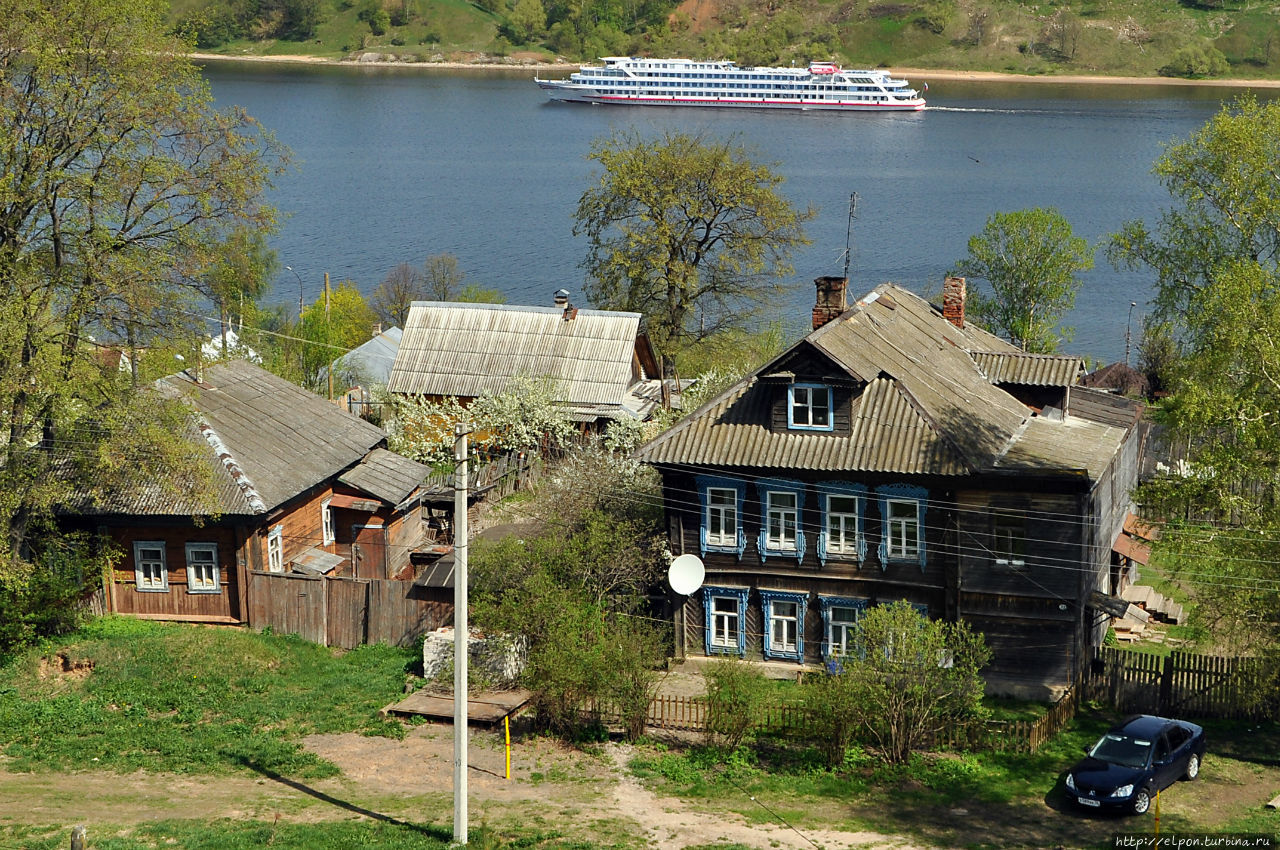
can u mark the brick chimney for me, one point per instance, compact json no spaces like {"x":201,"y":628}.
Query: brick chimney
{"x":831,"y":299}
{"x":953,"y":301}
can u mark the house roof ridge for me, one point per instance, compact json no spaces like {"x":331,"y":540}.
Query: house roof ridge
{"x":228,"y":461}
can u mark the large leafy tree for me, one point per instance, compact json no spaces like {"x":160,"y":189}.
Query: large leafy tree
{"x":121,"y":186}
{"x":689,"y":232}
{"x":1030,"y":259}
{"x":1214,"y":254}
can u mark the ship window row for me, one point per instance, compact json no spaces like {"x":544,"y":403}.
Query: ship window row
{"x":704,"y":93}
{"x":750,"y":86}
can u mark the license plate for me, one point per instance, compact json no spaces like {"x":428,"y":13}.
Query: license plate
{"x":1085,"y":801}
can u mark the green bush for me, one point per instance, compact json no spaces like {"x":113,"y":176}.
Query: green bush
{"x":737,"y":693}
{"x":1195,"y":61}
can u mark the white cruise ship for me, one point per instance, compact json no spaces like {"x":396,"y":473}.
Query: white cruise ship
{"x":683,"y":82}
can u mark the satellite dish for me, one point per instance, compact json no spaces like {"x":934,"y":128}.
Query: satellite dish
{"x":685,"y":574}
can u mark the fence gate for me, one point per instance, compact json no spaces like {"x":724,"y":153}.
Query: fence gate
{"x":290,"y":604}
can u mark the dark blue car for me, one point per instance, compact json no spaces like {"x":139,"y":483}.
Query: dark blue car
{"x":1134,"y":760}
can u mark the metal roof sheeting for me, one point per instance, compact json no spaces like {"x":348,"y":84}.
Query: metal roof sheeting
{"x":470,"y":350}
{"x":1042,"y":370}
{"x":387,"y":475}
{"x":925,"y":406}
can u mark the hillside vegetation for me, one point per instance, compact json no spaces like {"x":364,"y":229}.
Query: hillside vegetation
{"x":1189,"y":39}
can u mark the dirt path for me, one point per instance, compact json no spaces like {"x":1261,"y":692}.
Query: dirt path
{"x":412,"y":780}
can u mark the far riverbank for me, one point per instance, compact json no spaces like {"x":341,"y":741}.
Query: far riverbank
{"x":525,"y":64}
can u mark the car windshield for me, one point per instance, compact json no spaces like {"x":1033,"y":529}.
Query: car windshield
{"x":1122,"y":750}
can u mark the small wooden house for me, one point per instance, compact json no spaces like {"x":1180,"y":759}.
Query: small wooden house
{"x":899,"y":452}
{"x":602,"y":366}
{"x":300,"y":485}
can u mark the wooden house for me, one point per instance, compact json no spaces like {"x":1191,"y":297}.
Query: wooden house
{"x":299,"y":485}
{"x":602,"y":366}
{"x":898,"y":452}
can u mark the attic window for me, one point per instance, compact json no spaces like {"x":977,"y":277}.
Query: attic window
{"x":809,"y":407}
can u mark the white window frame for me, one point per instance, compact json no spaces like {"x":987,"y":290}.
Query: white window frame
{"x":846,"y":629}
{"x":197,"y":583}
{"x":726,"y":622}
{"x":727,"y":514}
{"x":800,"y":412}
{"x":275,"y":549}
{"x":784,"y":628}
{"x":150,"y":575}
{"x":839,"y":539}
{"x":326,"y":522}
{"x":899,"y":545}
{"x":777,"y":519}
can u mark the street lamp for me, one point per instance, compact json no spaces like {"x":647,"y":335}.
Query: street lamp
{"x":1128,"y":328}
{"x":299,"y":277}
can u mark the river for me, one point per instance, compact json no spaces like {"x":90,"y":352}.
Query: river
{"x":392,"y":165}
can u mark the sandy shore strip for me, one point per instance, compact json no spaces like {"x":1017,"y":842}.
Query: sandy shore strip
{"x":927,"y":74}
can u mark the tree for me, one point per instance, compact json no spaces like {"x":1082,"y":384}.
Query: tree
{"x":1030,"y":260}
{"x":393,"y":297}
{"x":328,"y":329}
{"x":691,"y":233}
{"x":123,"y":185}
{"x":911,"y":679}
{"x":527,"y":21}
{"x":1215,"y":254}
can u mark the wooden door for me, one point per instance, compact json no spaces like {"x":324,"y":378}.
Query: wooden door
{"x":369,"y":551}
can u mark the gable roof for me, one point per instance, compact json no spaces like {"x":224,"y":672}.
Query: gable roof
{"x":923,"y":404}
{"x":268,"y":440}
{"x":470,"y":350}
{"x":370,"y":362}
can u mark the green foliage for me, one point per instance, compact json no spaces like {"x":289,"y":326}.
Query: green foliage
{"x":525,"y":416}
{"x":186,"y":699}
{"x":1195,"y":61}
{"x":42,"y":597}
{"x":737,"y":694}
{"x":527,"y":21}
{"x":691,"y":233}
{"x":124,"y":188}
{"x":1029,"y":259}
{"x":1218,"y":295}
{"x":912,"y":678}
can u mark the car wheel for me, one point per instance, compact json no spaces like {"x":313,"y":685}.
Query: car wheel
{"x":1193,"y":766}
{"x":1141,"y":801}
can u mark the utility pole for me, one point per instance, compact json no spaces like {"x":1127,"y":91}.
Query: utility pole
{"x":327,"y":331}
{"x":460,"y":634}
{"x":1128,"y":329}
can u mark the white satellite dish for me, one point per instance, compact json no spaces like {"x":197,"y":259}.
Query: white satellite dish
{"x":685,"y":574}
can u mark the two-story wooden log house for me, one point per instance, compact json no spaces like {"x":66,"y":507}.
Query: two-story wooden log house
{"x":898,"y":452}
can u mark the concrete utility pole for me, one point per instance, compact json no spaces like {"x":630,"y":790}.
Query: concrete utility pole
{"x":460,"y":631}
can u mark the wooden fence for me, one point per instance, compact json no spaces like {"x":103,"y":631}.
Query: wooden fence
{"x":1179,"y":684}
{"x":342,"y":611}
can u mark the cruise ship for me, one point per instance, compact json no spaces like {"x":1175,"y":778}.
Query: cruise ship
{"x":684,"y":82}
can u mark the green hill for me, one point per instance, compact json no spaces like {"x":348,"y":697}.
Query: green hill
{"x":1189,"y":39}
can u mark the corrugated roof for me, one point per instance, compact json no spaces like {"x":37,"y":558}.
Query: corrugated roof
{"x":387,"y":475}
{"x":268,"y":440}
{"x":469,"y":350}
{"x":925,"y":406}
{"x":371,"y":362}
{"x":1019,"y":367}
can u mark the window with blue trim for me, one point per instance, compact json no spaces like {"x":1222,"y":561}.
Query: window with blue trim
{"x":784,"y":614}
{"x":840,"y":616}
{"x":809,"y":407}
{"x":843,"y":519}
{"x":902,"y":509}
{"x":726,"y":617}
{"x":721,"y":525}
{"x":781,"y":508}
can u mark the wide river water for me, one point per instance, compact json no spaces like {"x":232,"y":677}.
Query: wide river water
{"x":393,"y":165}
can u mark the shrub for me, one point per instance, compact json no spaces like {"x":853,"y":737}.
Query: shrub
{"x":736,"y":696}
{"x":1195,"y":61}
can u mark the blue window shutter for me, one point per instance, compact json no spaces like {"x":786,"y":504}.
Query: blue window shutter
{"x":800,"y":546}
{"x":822,"y":542}
{"x":742,"y":541}
{"x":761,"y":539}
{"x":706,"y":616}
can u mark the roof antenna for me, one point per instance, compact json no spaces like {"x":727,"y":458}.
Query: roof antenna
{"x":848,"y":234}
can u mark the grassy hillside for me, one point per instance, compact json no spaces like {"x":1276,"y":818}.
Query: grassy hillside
{"x":1190,"y":39}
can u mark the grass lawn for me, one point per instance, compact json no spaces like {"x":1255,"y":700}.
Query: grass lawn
{"x":125,"y":695}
